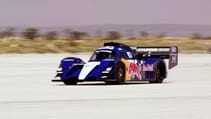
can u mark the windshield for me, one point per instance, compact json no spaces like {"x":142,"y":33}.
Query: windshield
{"x":103,"y":54}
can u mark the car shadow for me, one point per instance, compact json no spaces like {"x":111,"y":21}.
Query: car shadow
{"x":104,"y":84}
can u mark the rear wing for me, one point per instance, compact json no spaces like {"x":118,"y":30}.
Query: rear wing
{"x":170,"y":53}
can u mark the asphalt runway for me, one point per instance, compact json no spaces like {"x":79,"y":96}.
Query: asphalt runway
{"x":26,"y":92}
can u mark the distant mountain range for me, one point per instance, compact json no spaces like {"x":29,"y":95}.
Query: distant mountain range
{"x":133,"y":30}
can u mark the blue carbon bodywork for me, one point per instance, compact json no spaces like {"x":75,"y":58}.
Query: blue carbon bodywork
{"x":150,"y":75}
{"x":70,"y":63}
{"x":95,"y":75}
{"x":152,"y":61}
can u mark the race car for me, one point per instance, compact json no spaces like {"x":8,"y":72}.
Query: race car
{"x":116,"y":63}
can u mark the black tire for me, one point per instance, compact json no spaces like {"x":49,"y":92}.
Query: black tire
{"x":158,"y":74}
{"x":159,"y":78}
{"x":110,"y":82}
{"x":120,"y":73}
{"x":68,"y":82}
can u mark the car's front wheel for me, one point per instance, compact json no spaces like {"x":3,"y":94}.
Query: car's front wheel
{"x":69,"y":82}
{"x":120,"y":73}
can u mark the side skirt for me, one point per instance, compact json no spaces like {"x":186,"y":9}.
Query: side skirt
{"x":137,"y":81}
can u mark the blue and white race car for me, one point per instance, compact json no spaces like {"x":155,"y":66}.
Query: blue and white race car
{"x":116,"y":63}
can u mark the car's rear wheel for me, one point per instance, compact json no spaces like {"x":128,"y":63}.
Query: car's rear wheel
{"x":158,"y":74}
{"x":159,"y":79}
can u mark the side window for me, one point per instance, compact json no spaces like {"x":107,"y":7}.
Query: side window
{"x":100,"y":55}
{"x":124,"y":55}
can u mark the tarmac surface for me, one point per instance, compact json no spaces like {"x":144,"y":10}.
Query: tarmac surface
{"x":26,"y":92}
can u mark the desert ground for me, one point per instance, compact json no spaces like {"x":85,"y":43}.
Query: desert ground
{"x":26,"y":92}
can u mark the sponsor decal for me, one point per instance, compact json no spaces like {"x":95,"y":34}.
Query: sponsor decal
{"x":153,"y":50}
{"x":127,"y":75}
{"x":135,"y":71}
{"x":129,"y":54}
{"x":148,"y":67}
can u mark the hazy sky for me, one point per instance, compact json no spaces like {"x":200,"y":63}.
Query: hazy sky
{"x":86,"y":12}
